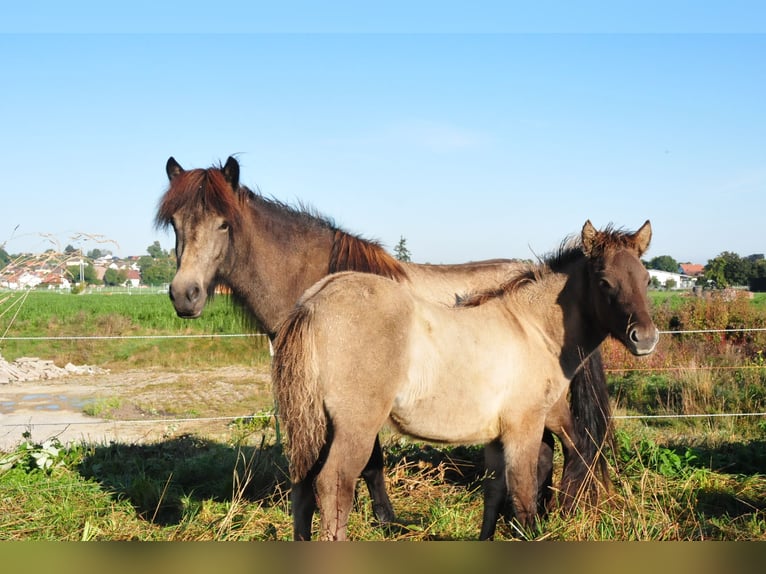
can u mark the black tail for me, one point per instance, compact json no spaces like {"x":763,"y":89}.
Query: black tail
{"x":592,"y":419}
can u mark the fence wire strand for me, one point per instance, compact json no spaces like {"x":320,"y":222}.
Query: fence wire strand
{"x":252,"y":417}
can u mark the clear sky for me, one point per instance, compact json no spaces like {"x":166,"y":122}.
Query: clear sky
{"x":472,"y":129}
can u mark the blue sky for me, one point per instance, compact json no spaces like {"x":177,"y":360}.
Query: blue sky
{"x":474,"y":130}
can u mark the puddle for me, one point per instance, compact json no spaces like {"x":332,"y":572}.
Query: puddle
{"x":45,"y":402}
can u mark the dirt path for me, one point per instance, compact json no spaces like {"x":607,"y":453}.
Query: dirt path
{"x":131,"y":406}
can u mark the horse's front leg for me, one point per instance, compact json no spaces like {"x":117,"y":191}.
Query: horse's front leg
{"x":376,"y":485}
{"x":545,"y":472}
{"x":521,"y":448}
{"x":495,"y":490}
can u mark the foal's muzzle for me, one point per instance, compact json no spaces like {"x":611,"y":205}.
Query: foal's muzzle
{"x":643,"y":340}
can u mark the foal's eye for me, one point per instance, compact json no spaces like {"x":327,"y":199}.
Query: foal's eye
{"x":604,"y":284}
{"x":224,"y":226}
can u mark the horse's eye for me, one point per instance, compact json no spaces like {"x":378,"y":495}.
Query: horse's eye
{"x":224,"y":226}
{"x":605,"y":285}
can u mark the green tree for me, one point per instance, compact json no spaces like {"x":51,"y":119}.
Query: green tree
{"x":664,"y":263}
{"x":115,"y":277}
{"x":4,"y":257}
{"x":401,"y":252}
{"x":157,"y":271}
{"x":156,"y":251}
{"x":88,"y":274}
{"x":729,"y":269}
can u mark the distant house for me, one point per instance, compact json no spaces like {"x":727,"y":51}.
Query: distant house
{"x":676,"y":280}
{"x":691,"y":269}
{"x":133,"y":277}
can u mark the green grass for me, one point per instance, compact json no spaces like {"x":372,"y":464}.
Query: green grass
{"x":145,"y":317}
{"x":189,"y":488}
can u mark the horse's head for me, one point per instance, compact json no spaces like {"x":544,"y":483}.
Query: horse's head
{"x":619,"y":283}
{"x":204,"y":208}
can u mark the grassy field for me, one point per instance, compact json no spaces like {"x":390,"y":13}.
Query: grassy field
{"x":700,"y":478}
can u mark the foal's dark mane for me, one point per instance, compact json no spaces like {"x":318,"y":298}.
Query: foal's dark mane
{"x":209,"y":190}
{"x":569,"y":252}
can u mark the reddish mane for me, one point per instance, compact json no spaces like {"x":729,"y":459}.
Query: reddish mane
{"x":350,"y":253}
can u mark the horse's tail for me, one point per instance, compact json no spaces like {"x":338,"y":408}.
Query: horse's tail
{"x":295,"y":381}
{"x":592,"y":416}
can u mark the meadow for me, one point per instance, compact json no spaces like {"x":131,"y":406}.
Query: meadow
{"x":688,"y":463}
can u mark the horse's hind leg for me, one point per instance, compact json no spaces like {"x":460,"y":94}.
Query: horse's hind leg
{"x":303,"y":506}
{"x":376,"y":485}
{"x":336,"y":481}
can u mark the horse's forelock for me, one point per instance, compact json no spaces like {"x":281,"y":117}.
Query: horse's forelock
{"x":201,"y":189}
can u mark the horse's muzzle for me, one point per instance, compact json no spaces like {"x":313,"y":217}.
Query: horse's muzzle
{"x":188,"y":300}
{"x":642,"y":341}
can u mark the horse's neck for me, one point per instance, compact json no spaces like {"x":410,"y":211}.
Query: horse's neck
{"x":274,"y":263}
{"x":560,"y":307}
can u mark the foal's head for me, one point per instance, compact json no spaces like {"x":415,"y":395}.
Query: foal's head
{"x":204,"y":207}
{"x":619,"y":282}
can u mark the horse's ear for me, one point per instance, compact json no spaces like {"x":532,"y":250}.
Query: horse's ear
{"x":643,"y":237}
{"x":173,"y":168}
{"x":231,"y":173}
{"x":588,"y":236}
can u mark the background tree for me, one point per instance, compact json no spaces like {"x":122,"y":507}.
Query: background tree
{"x":729,"y":269}
{"x":159,"y":267}
{"x":156,"y":251}
{"x":89,"y":275}
{"x":4,"y":257}
{"x":401,"y":252}
{"x":664,"y":263}
{"x":115,"y":277}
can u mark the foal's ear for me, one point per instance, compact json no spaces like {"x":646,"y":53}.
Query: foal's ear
{"x":643,"y":237}
{"x":173,"y":168}
{"x":588,"y":236}
{"x":231,"y":173}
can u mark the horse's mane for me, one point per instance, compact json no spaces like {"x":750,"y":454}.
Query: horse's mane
{"x":205,"y":187}
{"x":209,"y":189}
{"x":352,"y":253}
{"x":570,"y":251}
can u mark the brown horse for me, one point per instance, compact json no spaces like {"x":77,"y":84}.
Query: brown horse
{"x":361,"y":350}
{"x":269,"y":253}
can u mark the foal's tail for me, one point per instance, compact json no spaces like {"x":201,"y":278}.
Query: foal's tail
{"x":294,"y":377}
{"x":592,"y":416}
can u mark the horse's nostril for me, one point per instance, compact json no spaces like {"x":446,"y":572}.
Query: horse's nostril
{"x":193,"y":293}
{"x":634,"y":335}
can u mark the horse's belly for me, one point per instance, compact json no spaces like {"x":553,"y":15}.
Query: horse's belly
{"x":448,"y":418}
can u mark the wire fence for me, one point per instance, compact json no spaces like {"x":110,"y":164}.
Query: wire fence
{"x":247,"y":417}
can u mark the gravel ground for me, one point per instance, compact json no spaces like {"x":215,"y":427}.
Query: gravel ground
{"x":131,"y":406}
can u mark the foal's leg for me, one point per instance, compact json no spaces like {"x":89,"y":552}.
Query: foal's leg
{"x":521,"y":447}
{"x":376,"y":485}
{"x":336,"y":481}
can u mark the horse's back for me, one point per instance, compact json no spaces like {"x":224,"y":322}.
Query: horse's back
{"x":447,"y":283}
